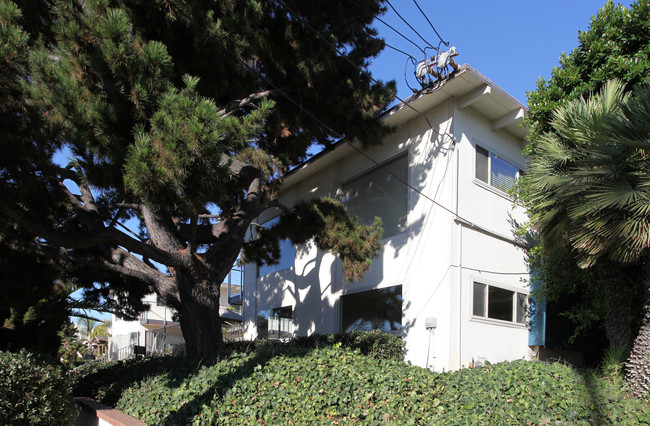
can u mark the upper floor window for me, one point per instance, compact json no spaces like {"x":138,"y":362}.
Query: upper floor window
{"x":287,"y":253}
{"x":382,"y":194}
{"x":497,"y":303}
{"x":494,"y":170}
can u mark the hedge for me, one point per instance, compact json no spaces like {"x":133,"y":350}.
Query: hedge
{"x":336,"y":379}
{"x":33,"y":391}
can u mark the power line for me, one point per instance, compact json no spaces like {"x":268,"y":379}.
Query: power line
{"x":400,"y":51}
{"x":409,"y":25}
{"x":410,"y":58}
{"x":319,"y":121}
{"x":487,"y":271}
{"x":345,"y":57}
{"x":402,"y":35}
{"x":399,"y":33}
{"x":430,"y":24}
{"x":329,"y":15}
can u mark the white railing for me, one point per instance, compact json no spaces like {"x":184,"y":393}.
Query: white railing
{"x":121,"y":346}
{"x":235,"y":281}
{"x":157,"y":342}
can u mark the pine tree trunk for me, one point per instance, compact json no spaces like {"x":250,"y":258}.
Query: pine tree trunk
{"x":617,"y":308}
{"x":199,"y":317}
{"x":638,"y":364}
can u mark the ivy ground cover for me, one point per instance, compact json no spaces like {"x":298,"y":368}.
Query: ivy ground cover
{"x":336,"y":383}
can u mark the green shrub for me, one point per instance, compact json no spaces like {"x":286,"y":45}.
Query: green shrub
{"x":614,"y":360}
{"x":33,"y":391}
{"x":356,"y":379}
{"x":375,"y":344}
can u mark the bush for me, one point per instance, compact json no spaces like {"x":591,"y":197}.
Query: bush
{"x":358,"y":378}
{"x":375,"y":344}
{"x":33,"y":391}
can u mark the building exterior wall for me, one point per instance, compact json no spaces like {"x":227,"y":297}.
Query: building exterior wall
{"x":459,"y":231}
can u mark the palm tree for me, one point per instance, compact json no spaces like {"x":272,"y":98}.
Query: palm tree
{"x":90,"y":328}
{"x":589,"y":188}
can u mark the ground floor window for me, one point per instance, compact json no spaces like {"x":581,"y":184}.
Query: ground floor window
{"x":276,"y":323}
{"x":379,"y":309}
{"x":498,"y":303}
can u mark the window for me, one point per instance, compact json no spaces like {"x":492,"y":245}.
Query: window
{"x":372,"y":310}
{"x":378,"y":193}
{"x":494,"y":170}
{"x":275,"y":323}
{"x":287,"y":254}
{"x":159,"y":300}
{"x":498,"y":303}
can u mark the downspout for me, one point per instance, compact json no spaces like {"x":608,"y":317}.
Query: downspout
{"x":460,"y":237}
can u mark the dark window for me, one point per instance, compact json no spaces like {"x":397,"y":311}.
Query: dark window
{"x":500,"y":303}
{"x":159,"y":300}
{"x":479,"y":299}
{"x":378,"y":193}
{"x":372,"y":310}
{"x":482,"y":164}
{"x":275,"y":323}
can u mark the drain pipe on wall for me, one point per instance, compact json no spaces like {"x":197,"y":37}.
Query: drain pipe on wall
{"x":430,"y":324}
{"x":460,"y":242}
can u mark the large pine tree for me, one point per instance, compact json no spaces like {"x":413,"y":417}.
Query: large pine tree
{"x":183,"y":115}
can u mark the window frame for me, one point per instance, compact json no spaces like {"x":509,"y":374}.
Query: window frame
{"x":379,"y":168}
{"x":488,"y":184}
{"x":518,"y":311}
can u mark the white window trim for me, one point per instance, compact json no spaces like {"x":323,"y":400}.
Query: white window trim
{"x":487,"y":185}
{"x":485,"y":319}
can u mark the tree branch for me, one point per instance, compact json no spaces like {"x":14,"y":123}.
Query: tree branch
{"x":87,"y":240}
{"x":132,"y":206}
{"x":118,"y":261}
{"x":240,"y":103}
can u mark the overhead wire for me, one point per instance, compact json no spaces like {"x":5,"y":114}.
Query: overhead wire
{"x":400,"y":34}
{"x":343,"y":56}
{"x":430,"y":24}
{"x":319,"y":121}
{"x":400,"y":51}
{"x":409,"y":25}
{"x":410,"y":58}
{"x":371,"y":159}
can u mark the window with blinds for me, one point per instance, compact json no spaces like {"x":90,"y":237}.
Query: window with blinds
{"x":494,"y":170}
{"x":380,"y":192}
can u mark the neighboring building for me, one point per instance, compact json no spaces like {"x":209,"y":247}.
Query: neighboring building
{"x":156,"y":332}
{"x":450,"y":278}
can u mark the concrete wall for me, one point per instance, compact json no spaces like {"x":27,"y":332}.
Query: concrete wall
{"x":92,"y":413}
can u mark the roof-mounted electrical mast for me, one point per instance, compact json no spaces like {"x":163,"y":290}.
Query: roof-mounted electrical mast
{"x":436,"y":69}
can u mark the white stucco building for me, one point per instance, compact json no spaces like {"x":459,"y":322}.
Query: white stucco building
{"x":450,"y":276}
{"x":156,"y":332}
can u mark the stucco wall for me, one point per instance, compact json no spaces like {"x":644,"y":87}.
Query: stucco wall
{"x":435,"y":260}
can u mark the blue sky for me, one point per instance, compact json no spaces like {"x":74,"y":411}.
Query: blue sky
{"x":512,"y":43}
